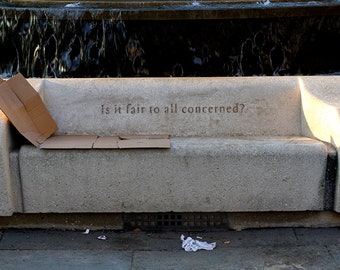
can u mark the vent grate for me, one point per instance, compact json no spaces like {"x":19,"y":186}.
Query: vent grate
{"x":175,"y":221}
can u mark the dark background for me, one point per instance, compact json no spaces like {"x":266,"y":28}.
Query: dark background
{"x":42,"y":45}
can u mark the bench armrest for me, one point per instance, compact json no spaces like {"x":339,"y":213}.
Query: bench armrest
{"x":320,"y":114}
{"x":320,"y":98}
{"x":10,"y":198}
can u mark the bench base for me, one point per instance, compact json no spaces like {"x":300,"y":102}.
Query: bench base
{"x":115,"y":221}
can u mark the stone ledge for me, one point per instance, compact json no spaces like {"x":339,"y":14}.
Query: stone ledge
{"x":173,"y":10}
{"x":237,"y":221}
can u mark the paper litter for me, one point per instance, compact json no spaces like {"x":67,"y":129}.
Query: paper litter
{"x":87,"y":231}
{"x":102,"y":237}
{"x":190,"y":244}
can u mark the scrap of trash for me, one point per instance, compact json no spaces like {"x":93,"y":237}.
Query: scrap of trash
{"x":102,"y":237}
{"x":190,"y":244}
{"x":87,"y":231}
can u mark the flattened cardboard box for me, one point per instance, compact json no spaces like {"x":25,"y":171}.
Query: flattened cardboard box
{"x":23,"y":106}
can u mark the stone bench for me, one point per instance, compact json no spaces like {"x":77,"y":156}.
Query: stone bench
{"x":237,"y":144}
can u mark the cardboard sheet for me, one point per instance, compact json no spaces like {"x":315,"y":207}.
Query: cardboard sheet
{"x":106,"y":142}
{"x":144,"y":142}
{"x":16,"y":112}
{"x":69,"y":142}
{"x":23,"y":106}
{"x":130,"y":137}
{"x":36,"y":109}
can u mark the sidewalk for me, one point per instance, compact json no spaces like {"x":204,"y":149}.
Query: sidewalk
{"x":289,"y":248}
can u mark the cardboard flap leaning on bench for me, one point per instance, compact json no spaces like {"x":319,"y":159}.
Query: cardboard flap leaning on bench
{"x":26,"y":111}
{"x":23,"y":106}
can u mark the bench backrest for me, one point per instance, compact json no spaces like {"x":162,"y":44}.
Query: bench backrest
{"x":249,"y":106}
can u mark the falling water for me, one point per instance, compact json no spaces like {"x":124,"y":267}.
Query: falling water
{"x":41,"y":45}
{"x":82,"y":42}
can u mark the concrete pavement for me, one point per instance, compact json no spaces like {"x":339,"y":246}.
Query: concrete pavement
{"x":288,"y":248}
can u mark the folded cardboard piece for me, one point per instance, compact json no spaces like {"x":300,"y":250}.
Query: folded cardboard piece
{"x":23,"y":106}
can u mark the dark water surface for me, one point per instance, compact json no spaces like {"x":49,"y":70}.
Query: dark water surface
{"x":87,"y":42}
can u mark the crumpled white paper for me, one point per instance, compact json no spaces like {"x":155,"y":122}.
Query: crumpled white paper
{"x":102,"y":237}
{"x":87,"y":231}
{"x":190,"y":244}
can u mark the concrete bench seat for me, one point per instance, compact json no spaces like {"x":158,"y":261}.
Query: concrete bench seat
{"x":237,"y":144}
{"x":195,"y":174}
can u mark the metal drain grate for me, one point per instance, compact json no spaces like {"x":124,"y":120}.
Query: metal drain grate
{"x":175,"y":221}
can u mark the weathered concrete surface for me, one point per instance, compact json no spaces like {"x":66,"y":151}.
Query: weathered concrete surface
{"x":250,"y":249}
{"x":209,"y":107}
{"x":115,"y":221}
{"x":69,"y":221}
{"x":241,"y":258}
{"x":321,"y":114}
{"x":15,"y":180}
{"x":313,"y":219}
{"x":196,"y":174}
{"x":51,"y":259}
{"x":8,"y":202}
